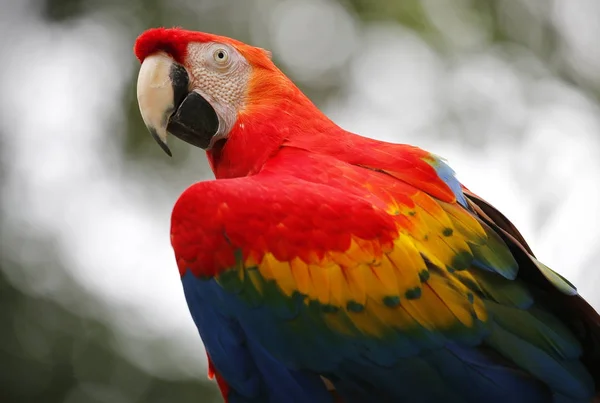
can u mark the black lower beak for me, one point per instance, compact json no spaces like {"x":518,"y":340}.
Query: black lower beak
{"x":161,"y":143}
{"x":194,"y":120}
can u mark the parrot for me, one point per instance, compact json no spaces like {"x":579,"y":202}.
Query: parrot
{"x":324,"y":266}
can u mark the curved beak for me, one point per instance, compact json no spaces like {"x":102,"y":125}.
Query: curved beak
{"x":168,"y":106}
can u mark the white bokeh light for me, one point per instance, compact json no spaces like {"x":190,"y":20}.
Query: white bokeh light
{"x":579,"y":25}
{"x":312,"y":37}
{"x":113,"y":233}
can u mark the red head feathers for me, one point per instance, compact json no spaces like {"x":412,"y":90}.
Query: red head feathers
{"x":175,"y":41}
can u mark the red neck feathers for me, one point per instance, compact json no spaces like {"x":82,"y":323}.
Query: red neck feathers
{"x":276,"y":114}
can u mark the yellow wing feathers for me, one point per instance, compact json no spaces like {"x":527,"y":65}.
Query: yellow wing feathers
{"x":424,"y":280}
{"x":381,"y":287}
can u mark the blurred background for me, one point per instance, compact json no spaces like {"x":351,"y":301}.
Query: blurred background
{"x":91,"y":308}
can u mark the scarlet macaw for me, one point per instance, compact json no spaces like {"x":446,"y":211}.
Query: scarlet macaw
{"x":324,"y":266}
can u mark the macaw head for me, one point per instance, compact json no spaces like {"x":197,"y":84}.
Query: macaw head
{"x":204,"y":88}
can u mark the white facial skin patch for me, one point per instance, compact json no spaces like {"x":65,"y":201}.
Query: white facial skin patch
{"x":220,"y":74}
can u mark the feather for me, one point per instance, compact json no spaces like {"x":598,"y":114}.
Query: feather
{"x":385,"y":301}
{"x":321,"y":254}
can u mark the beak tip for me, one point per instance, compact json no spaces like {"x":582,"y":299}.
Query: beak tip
{"x":160,"y":141}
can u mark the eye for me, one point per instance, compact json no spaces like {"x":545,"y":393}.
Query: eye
{"x":221,"y":56}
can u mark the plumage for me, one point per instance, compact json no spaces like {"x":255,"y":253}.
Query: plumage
{"x":318,"y":254}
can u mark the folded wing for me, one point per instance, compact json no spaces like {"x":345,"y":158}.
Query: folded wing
{"x":357,"y":276}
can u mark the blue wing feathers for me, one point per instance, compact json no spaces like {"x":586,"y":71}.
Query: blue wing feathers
{"x":224,"y":342}
{"x":481,"y":375}
{"x":447,"y":174}
{"x":252,"y":374}
{"x":450,"y":373}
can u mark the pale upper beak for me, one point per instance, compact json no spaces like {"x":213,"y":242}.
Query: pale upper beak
{"x":168,"y":105}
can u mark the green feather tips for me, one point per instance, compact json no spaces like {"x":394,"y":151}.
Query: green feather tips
{"x":413,"y":293}
{"x":462,"y":260}
{"x":353,"y":306}
{"x":558,"y":281}
{"x":494,"y":255}
{"x":506,"y":292}
{"x":328,"y":308}
{"x":567,"y":376}
{"x":424,"y":275}
{"x":538,"y":328}
{"x":391,"y":301}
